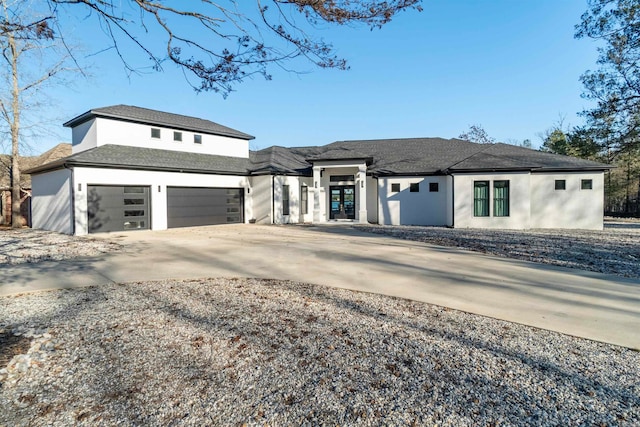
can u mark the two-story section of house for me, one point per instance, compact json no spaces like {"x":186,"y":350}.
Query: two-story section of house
{"x":135,"y":168}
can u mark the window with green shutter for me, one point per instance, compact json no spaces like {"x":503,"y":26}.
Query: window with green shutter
{"x":481,"y":198}
{"x":500,"y":198}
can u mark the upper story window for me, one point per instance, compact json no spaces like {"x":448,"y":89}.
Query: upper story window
{"x":414,"y":187}
{"x":433,"y":187}
{"x":561,"y":184}
{"x":197,"y":139}
{"x":395,"y":188}
{"x":586,"y":184}
{"x":155,"y":133}
{"x":177,"y":136}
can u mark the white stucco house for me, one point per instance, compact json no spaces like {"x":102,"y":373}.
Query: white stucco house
{"x":135,"y":168}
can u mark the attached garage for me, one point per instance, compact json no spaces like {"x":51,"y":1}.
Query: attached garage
{"x":117,"y":208}
{"x":190,"y":206}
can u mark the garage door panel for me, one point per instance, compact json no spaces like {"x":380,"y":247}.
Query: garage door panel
{"x":117,"y":208}
{"x":188,"y":206}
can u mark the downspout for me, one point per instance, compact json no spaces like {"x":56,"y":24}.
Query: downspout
{"x":73,"y":200}
{"x":453,"y":201}
{"x":273,"y":199}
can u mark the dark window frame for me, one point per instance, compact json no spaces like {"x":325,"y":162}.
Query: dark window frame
{"x":197,"y":138}
{"x":156,"y":133}
{"x":395,"y":188}
{"x":304,"y":200}
{"x":177,"y":136}
{"x":342,"y":178}
{"x":481,"y":204}
{"x":286,"y":208}
{"x":561,"y":184}
{"x":414,"y":187}
{"x":501,"y":203}
{"x":586,"y":184}
{"x":434,"y":187}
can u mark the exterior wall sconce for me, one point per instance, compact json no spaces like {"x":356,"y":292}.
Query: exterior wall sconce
{"x":361,"y":184}
{"x":159,"y":189}
{"x":79,"y":187}
{"x":315,"y":184}
{"x":248,"y":190}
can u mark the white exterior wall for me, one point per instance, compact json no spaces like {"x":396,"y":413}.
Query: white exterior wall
{"x":261,"y":198}
{"x":372,"y":200}
{"x":519,"y":201}
{"x":52,"y":201}
{"x":158,"y":181}
{"x":406,"y":208}
{"x":569,"y":208}
{"x":324,"y":182}
{"x":101,"y":131}
{"x":295,"y":214}
{"x":84,"y":136}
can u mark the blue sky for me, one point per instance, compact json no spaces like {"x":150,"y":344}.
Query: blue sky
{"x":512,"y":66}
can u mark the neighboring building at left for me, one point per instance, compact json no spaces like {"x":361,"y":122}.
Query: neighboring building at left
{"x":28,"y":162}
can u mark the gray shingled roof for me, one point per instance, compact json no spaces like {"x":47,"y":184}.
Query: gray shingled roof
{"x":416,"y":156}
{"x":152,"y":159}
{"x":281,"y":160}
{"x":159,"y":118}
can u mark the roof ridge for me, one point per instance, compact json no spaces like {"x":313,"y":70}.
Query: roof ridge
{"x":482,"y":150}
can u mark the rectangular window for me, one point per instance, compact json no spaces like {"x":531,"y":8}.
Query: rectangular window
{"x":586,"y":184}
{"x":500,"y":198}
{"x":197,"y":139}
{"x":414,"y":187}
{"x":177,"y":136}
{"x":395,"y":188}
{"x":304,"y":200}
{"x":433,"y":187}
{"x":341,"y":178}
{"x":285,"y":200}
{"x":561,"y":184}
{"x":481,"y":198}
{"x":155,"y":133}
{"x":133,"y":190}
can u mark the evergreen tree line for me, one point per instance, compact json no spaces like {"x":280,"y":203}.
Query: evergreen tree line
{"x":611,"y":133}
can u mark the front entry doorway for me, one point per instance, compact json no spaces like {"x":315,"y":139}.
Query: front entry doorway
{"x":343,"y":202}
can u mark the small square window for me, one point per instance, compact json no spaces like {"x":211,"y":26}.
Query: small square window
{"x":433,"y":187}
{"x":561,"y":184}
{"x":177,"y":136}
{"x":414,"y":187}
{"x":155,"y":133}
{"x":586,"y":184}
{"x":197,"y":139}
{"x":395,"y":188}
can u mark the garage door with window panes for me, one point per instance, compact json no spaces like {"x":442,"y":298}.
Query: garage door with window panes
{"x":190,"y":206}
{"x":117,"y":208}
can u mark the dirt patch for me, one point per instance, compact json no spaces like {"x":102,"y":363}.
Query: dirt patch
{"x":12,"y":345}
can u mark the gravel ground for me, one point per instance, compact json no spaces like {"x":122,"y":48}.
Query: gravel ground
{"x":28,"y":245}
{"x":255,"y":352}
{"x":615,"y":250}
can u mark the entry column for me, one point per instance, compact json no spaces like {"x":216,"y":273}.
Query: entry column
{"x":362,"y":194}
{"x":317,"y":185}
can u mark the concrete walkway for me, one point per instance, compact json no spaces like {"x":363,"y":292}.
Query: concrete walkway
{"x":590,"y":305}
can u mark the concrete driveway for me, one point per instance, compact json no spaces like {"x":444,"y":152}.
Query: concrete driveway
{"x":585,"y":304}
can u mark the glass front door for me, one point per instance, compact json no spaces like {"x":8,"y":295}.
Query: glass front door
{"x":343,"y":202}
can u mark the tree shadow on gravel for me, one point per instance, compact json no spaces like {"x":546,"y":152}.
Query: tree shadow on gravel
{"x":375,"y":376}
